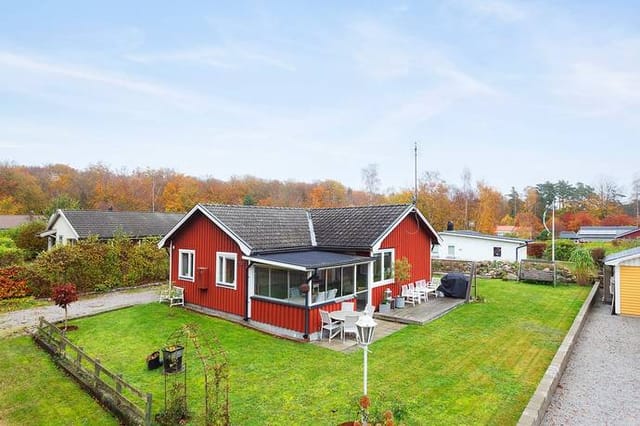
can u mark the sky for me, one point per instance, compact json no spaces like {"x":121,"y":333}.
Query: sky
{"x":517,"y":92}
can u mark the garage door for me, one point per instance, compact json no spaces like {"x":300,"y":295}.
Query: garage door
{"x":630,"y":290}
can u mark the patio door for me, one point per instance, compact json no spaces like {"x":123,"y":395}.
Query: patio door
{"x":362,"y":286}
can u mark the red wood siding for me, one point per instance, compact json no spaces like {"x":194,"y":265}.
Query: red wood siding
{"x":631,"y":235}
{"x":289,"y":317}
{"x":410,"y":239}
{"x":203,"y":236}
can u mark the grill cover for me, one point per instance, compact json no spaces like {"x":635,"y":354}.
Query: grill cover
{"x":454,"y":285}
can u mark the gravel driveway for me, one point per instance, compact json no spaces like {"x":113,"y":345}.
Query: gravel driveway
{"x":601,"y":385}
{"x":19,"y":321}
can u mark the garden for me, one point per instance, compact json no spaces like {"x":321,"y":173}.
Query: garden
{"x":479,"y":364}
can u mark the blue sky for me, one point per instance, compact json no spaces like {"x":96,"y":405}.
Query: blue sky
{"x":518,"y":92}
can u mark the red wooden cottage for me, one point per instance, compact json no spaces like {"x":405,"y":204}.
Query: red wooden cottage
{"x":250,"y":262}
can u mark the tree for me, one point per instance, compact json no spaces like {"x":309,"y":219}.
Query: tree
{"x":27,"y":238}
{"x":63,"y":295}
{"x":605,"y":201}
{"x":515,"y":203}
{"x":467,"y":193}
{"x":433,"y":200}
{"x":371,"y":180}
{"x":490,"y":209}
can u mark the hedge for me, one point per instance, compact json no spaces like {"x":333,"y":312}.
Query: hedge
{"x":13,"y":283}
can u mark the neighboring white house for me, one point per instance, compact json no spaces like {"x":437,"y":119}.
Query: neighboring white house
{"x":475,"y":246}
{"x":69,"y":226}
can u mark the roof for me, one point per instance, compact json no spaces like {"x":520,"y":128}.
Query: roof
{"x":354,"y":227}
{"x":629,"y":233}
{"x":603,"y":232}
{"x":615,"y":258}
{"x":260,"y":229}
{"x":568,"y":235}
{"x":480,"y":235}
{"x":106,"y":224}
{"x":8,"y":221}
{"x":265,"y":228}
{"x":309,"y":259}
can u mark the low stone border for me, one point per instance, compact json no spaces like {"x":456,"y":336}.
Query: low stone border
{"x":539,"y":402}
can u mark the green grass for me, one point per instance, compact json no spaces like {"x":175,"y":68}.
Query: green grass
{"x":20,"y":303}
{"x":479,"y":364}
{"x":33,"y":391}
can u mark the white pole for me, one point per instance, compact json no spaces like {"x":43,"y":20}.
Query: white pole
{"x":365,"y":369}
{"x":553,"y":238}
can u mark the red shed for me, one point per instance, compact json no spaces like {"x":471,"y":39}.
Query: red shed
{"x":276,"y":267}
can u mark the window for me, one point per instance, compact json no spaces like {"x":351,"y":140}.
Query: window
{"x":186,"y":262}
{"x":497,"y":252}
{"x":226,"y":269}
{"x":383,"y":266}
{"x":451,"y":251}
{"x":279,"y":284}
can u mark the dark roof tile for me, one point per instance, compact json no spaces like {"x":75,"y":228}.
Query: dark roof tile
{"x":106,"y":224}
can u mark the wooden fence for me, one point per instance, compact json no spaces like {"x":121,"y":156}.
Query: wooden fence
{"x":127,"y":402}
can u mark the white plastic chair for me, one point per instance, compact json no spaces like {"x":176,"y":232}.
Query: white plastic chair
{"x":347,"y":306}
{"x":416,"y":293}
{"x":408,"y":295}
{"x":349,"y":326}
{"x":432,"y":286}
{"x":332,"y":327}
{"x":423,"y":290}
{"x":320,"y":297}
{"x":331,"y":294}
{"x":369,"y":309}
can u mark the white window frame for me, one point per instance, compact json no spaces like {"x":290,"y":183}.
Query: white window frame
{"x":382,"y":252}
{"x":221,"y":266}
{"x":451,"y":251}
{"x":192,"y":257}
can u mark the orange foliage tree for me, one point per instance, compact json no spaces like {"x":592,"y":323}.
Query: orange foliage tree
{"x":490,"y":209}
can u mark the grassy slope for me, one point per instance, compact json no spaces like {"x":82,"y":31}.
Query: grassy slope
{"x":34,"y":392}
{"x":477,"y":365}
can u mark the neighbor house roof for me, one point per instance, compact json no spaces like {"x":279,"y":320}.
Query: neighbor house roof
{"x":603,"y":232}
{"x":480,"y":235}
{"x":8,"y":221}
{"x":107,"y":224}
{"x":568,"y":235}
{"x":615,"y":258}
{"x":260,"y":229}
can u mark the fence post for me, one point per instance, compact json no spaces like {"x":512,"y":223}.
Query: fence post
{"x":119,"y":383}
{"x":147,"y":410}
{"x":79,"y":357}
{"x":96,"y":371}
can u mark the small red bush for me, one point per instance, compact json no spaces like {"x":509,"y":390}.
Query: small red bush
{"x":64,"y":294}
{"x":12,"y":284}
{"x":536,"y":250}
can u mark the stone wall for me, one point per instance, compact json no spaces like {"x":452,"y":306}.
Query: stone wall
{"x":496,"y":269}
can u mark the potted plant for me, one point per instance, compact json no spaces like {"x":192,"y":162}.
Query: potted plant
{"x":384,"y":307}
{"x":402,"y":274}
{"x":153,"y":360}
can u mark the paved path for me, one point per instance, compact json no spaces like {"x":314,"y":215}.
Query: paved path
{"x":19,"y":321}
{"x":601,"y":384}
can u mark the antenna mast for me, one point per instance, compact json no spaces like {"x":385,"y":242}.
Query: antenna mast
{"x":415,"y":172}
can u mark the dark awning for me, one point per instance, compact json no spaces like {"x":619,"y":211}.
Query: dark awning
{"x":308,"y":260}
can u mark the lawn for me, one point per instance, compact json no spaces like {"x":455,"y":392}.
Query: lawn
{"x":477,"y":365}
{"x":34,"y":392}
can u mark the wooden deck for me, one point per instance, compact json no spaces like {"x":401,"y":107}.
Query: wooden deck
{"x":421,"y":313}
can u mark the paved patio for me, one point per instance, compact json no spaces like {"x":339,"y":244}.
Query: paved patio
{"x":421,"y":313}
{"x":397,"y":319}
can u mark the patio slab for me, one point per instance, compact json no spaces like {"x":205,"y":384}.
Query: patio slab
{"x":421,"y":313}
{"x":383,"y":329}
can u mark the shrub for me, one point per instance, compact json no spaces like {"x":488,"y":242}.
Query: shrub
{"x":10,"y":256}
{"x":598,"y":253}
{"x":27,"y":238}
{"x":564,"y":249}
{"x":13,"y":283}
{"x":98,"y":266}
{"x":583,"y":265}
{"x":536,"y":250}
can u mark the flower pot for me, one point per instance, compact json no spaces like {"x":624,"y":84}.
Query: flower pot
{"x":384,"y":308}
{"x":399,"y":302}
{"x":154,"y":361}
{"x":172,"y":358}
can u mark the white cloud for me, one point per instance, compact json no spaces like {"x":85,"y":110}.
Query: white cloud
{"x":78,"y":73}
{"x":231,"y":56}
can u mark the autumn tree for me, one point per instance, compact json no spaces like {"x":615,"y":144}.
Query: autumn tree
{"x":433,"y":200}
{"x":490,"y":209}
{"x":371,"y":180}
{"x":180,"y":194}
{"x":63,"y":295}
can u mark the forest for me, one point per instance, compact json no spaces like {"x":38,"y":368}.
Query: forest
{"x":39,"y":190}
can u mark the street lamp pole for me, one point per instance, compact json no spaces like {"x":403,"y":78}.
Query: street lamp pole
{"x":365,"y":326}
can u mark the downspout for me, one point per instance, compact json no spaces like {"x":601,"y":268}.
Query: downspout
{"x":246,"y":292}
{"x":519,"y":247}
{"x":306,"y":305}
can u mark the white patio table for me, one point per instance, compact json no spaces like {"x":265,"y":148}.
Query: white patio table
{"x":342,"y":315}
